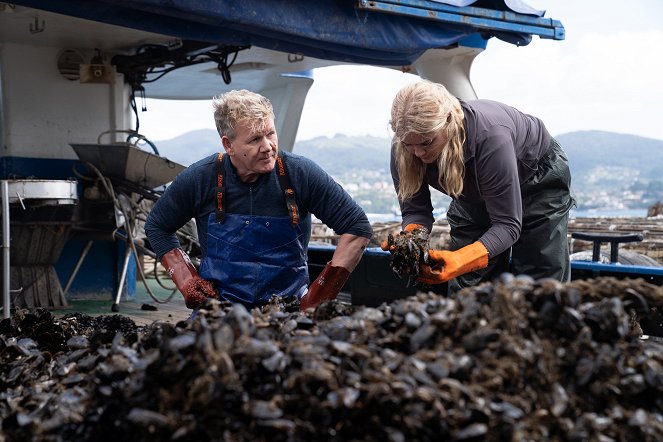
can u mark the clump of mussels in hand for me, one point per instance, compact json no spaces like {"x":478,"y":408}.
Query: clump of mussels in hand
{"x":409,"y":251}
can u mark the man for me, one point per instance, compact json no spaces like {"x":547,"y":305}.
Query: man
{"x":252,"y":205}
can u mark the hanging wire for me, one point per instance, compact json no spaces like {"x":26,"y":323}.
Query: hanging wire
{"x":224,"y":66}
{"x":151,"y":62}
{"x":134,"y":107}
{"x":108,"y":186}
{"x":133,"y":138}
{"x":130,"y":220}
{"x":138,"y":138}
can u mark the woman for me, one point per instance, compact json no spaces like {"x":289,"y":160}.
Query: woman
{"x":508,"y":179}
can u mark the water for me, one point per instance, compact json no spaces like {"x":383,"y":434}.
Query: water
{"x":615,"y":213}
{"x":383,"y":217}
{"x":592,"y":213}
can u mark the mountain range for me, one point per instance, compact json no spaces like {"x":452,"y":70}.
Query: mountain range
{"x":609,"y":169}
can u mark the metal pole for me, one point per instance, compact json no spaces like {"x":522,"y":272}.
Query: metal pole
{"x":127,"y":254}
{"x":4,"y":199}
{"x":2,"y":107}
{"x":86,"y":249}
{"x":6,"y":307}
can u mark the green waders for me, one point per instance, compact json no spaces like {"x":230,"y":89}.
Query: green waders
{"x":542,"y":251}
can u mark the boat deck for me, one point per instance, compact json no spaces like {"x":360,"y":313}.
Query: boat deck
{"x":171,"y":312}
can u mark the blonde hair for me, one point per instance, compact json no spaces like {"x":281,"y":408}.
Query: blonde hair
{"x":240,"y":105}
{"x":422,"y":108}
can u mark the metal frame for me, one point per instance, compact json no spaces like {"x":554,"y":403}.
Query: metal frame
{"x":479,"y":18}
{"x":625,"y":269}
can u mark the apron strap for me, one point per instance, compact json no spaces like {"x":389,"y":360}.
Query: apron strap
{"x":220,"y":189}
{"x":284,"y":181}
{"x":288,"y":190}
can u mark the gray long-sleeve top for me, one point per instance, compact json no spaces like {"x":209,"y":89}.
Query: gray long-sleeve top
{"x":192,"y":195}
{"x":502,"y":149}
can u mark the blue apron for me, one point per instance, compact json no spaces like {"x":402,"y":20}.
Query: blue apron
{"x":251,"y":258}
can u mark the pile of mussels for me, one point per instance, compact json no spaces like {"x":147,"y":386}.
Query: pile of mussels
{"x":516,"y":359}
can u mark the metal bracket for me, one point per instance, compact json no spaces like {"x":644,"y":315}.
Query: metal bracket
{"x":294,"y":58}
{"x":36,"y":27}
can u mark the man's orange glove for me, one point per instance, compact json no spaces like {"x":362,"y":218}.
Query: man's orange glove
{"x":325,"y":287}
{"x":448,"y":265}
{"x":410,"y":227}
{"x":181,"y":270}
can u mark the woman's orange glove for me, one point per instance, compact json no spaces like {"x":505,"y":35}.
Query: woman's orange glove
{"x":448,"y":265}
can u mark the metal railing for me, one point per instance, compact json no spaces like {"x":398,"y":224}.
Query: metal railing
{"x":6,"y":304}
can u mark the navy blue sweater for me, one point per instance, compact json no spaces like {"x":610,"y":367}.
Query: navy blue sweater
{"x":192,"y":195}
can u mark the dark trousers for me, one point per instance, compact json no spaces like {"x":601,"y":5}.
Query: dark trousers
{"x":542,"y":251}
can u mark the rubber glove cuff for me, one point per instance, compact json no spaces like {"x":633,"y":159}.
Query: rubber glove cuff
{"x":447,"y":264}
{"x":185,"y":276}
{"x":325,"y":287}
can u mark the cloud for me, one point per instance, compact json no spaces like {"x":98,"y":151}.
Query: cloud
{"x":167,"y":119}
{"x":603,"y":82}
{"x":353,"y":100}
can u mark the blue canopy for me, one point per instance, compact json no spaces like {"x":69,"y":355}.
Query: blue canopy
{"x":388,"y":33}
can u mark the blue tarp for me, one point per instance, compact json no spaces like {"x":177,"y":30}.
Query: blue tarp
{"x":336,"y":30}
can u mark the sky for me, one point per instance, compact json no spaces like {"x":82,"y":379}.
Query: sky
{"x":606,"y":75}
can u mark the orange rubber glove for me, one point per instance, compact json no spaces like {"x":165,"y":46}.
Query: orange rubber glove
{"x":410,"y":227}
{"x":448,"y":265}
{"x":181,"y":270}
{"x":326,"y":286}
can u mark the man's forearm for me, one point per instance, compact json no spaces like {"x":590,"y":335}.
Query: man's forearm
{"x":349,"y":251}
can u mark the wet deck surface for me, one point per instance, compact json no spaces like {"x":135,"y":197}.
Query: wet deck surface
{"x":172,"y":311}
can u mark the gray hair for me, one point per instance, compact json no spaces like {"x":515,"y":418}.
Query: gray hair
{"x":240,"y":105}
